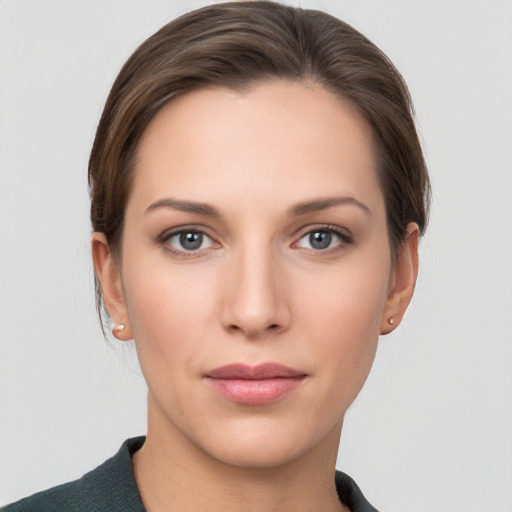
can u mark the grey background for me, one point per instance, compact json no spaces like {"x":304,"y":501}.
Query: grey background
{"x":432,"y":429}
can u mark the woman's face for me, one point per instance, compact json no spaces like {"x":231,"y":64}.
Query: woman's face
{"x":255,"y":273}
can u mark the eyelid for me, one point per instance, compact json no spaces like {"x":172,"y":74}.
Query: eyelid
{"x":343,"y":233}
{"x":190,"y":228}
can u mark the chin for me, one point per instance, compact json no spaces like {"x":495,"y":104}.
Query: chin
{"x":262,"y":455}
{"x":270,"y":444}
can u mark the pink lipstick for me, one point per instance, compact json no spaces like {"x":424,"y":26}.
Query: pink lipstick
{"x":254,"y":385}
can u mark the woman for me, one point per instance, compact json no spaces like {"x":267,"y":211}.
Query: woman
{"x":257,"y":195}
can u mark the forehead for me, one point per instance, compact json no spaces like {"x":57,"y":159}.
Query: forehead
{"x":276,"y":137}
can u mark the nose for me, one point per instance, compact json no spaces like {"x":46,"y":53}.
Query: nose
{"x":255,"y":302}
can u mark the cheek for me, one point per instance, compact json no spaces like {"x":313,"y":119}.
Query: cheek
{"x":348,"y":298}
{"x":171,"y":310}
{"x":161,"y":305}
{"x":342,"y":312}
{"x":167,"y":326}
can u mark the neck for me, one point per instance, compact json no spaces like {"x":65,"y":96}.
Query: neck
{"x":174,"y":475}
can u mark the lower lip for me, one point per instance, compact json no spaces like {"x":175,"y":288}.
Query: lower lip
{"x":255,"y":392}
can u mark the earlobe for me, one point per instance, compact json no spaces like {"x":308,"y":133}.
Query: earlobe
{"x":403,"y":281}
{"x":109,"y":276}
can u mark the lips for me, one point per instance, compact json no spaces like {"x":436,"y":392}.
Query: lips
{"x":254,"y":385}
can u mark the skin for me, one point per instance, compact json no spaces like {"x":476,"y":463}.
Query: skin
{"x":256,"y":291}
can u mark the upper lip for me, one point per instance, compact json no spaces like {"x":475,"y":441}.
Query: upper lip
{"x":259,"y":372}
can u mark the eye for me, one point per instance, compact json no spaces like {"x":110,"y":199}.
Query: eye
{"x":188,"y":241}
{"x":322,"y":239}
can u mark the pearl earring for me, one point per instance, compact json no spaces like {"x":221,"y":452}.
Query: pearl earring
{"x":391,"y":321}
{"x":119,"y":328}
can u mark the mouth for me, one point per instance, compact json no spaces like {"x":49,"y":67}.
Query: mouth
{"x":254,"y":385}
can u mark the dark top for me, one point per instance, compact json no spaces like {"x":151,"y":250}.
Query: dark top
{"x":111,"y":487}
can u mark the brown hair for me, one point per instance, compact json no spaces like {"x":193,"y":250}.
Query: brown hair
{"x":237,"y":45}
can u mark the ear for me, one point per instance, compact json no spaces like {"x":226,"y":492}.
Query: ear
{"x":402,"y":282}
{"x":109,"y":275}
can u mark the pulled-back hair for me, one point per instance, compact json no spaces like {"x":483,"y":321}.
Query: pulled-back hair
{"x":237,"y":45}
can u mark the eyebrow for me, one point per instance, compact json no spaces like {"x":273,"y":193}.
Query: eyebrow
{"x":322,"y":204}
{"x":315,"y":205}
{"x":184,"y":206}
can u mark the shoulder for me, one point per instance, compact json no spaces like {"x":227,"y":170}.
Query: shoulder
{"x":351,"y":495}
{"x":111,"y":486}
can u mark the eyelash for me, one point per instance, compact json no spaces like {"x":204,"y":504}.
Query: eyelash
{"x":345,"y":239}
{"x":164,"y":240}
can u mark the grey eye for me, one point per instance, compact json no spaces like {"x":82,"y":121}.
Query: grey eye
{"x":191,"y":241}
{"x":188,"y":241}
{"x":320,"y":239}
